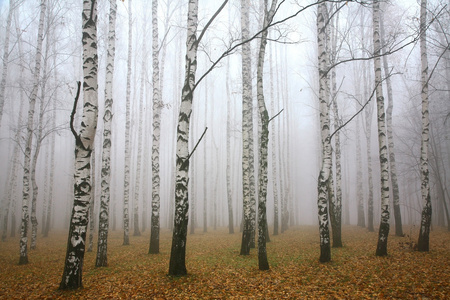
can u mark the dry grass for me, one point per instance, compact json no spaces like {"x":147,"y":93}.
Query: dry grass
{"x":216,"y":270}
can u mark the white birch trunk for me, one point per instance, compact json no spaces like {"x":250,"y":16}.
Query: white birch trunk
{"x":157,"y":107}
{"x":11,"y":184}
{"x":92,"y":202}
{"x":264,"y":142}
{"x":137,"y":184}
{"x":39,"y":137}
{"x":390,"y":136}
{"x":29,"y":139}
{"x":5,"y":58}
{"x":325,"y":172}
{"x":177,"y":264}
{"x":228,"y":149}
{"x":126,"y":188}
{"x":274,"y":150}
{"x":247,"y":128}
{"x":72,"y":275}
{"x":103,"y":220}
{"x":425,"y":224}
{"x":382,"y":140}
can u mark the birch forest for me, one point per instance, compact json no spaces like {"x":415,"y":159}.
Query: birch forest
{"x":266,"y":149}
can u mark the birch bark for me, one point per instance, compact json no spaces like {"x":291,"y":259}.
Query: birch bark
{"x":103,"y":220}
{"x":390,"y":136}
{"x":126,"y":188}
{"x":324,"y":175}
{"x":264,"y":141}
{"x":157,"y":107}
{"x":247,"y":130}
{"x":424,"y":234}
{"x":177,"y":264}
{"x":5,"y":57}
{"x":382,"y":140}
{"x":29,"y":139}
{"x":72,"y":275}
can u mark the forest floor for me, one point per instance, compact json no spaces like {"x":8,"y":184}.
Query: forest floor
{"x":217,"y":271}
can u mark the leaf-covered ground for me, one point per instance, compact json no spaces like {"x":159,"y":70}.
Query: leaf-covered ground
{"x":217,"y":271}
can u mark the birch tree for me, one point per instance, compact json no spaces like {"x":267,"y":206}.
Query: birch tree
{"x":29,"y":139}
{"x":137,"y":184}
{"x":84,"y":141}
{"x":247,"y":128}
{"x":157,"y":107}
{"x":325,"y":172}
{"x":126,"y":188}
{"x":177,"y":263}
{"x":264,"y":141}
{"x":390,"y":136}
{"x":39,"y":138}
{"x":382,"y":141}
{"x":5,"y":57}
{"x":425,"y":223}
{"x":336,"y":205}
{"x":103,"y":222}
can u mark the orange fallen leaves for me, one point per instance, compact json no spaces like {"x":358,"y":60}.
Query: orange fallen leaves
{"x":217,"y":271}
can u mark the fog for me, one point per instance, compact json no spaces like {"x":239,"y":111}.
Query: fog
{"x":291,"y":83}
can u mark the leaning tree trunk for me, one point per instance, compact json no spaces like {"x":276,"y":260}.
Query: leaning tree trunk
{"x":382,"y":141}
{"x":84,"y":142}
{"x":29,"y":139}
{"x":103,"y":219}
{"x":424,"y":234}
{"x":157,"y":107}
{"x":247,"y":130}
{"x":126,"y":180}
{"x":325,"y":172}
{"x":390,"y":136}
{"x":177,"y":265}
{"x":264,"y":142}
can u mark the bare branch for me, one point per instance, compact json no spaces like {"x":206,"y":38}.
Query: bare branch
{"x":193,"y":150}
{"x":276,"y":115}
{"x":74,"y":110}
{"x":211,"y":20}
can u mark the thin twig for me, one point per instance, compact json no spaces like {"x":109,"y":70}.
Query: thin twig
{"x":199,"y":140}
{"x":275,"y":115}
{"x":211,"y":20}
{"x":192,"y":152}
